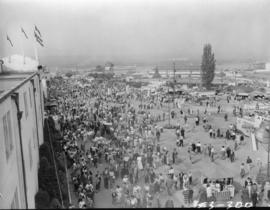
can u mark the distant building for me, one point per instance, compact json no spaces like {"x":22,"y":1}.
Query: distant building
{"x":258,"y":65}
{"x":21,"y":133}
{"x":261,"y":67}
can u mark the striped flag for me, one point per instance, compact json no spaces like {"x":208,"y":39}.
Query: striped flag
{"x":24,"y":33}
{"x":9,"y":41}
{"x":36,"y":29}
{"x":38,"y":38}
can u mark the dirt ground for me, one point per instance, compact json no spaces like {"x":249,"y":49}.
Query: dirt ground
{"x":201,"y":165}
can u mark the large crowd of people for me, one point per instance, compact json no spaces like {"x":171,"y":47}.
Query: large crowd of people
{"x":113,"y":144}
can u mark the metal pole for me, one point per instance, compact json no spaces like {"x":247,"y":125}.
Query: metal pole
{"x":173,"y":83}
{"x":268,"y":157}
{"x":169,"y":110}
{"x":141,"y":98}
{"x":21,"y":40}
{"x":235,"y":82}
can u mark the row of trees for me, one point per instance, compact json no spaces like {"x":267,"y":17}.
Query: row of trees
{"x":48,"y":195}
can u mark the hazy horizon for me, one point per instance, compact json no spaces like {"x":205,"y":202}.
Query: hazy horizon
{"x":137,"y":31}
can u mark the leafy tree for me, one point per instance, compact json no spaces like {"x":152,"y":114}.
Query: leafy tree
{"x":208,"y":66}
{"x":69,"y":74}
{"x":42,"y":199}
{"x":55,"y":204}
{"x":156,"y":74}
{"x":44,"y":165}
{"x":44,"y":151}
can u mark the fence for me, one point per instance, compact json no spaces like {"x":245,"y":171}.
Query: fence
{"x":222,"y":196}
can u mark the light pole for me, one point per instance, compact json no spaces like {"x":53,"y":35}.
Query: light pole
{"x":169,"y":108}
{"x":174,"y":81}
{"x":235,"y":84}
{"x":141,"y":98}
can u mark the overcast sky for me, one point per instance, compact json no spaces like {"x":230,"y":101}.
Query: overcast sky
{"x":142,"y":28}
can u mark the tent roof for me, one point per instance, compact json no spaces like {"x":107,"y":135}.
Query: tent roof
{"x":243,"y":94}
{"x":259,"y":93}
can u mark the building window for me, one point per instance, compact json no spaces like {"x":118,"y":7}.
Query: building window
{"x":15,"y":201}
{"x":8,"y":134}
{"x":30,"y":96}
{"x":30,"y":154}
{"x":25,"y":104}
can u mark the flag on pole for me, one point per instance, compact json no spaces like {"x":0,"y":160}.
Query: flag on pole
{"x":36,"y":29}
{"x":24,"y":33}
{"x":9,"y":41}
{"x":38,"y":38}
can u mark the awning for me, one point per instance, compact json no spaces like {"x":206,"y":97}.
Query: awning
{"x":242,"y":94}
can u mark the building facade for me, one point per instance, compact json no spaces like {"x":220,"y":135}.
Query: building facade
{"x":21,"y":134}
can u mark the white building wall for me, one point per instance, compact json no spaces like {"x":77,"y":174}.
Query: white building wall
{"x":30,"y":144}
{"x":39,"y":109}
{"x":11,"y":178}
{"x":11,"y":170}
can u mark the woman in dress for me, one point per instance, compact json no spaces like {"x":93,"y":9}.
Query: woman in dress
{"x":185,"y":181}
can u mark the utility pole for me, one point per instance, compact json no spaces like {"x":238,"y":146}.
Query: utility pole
{"x":174,"y":81}
{"x":221,"y":74}
{"x":141,"y":97}
{"x":235,"y":72}
{"x":190,"y":73}
{"x":169,"y":108}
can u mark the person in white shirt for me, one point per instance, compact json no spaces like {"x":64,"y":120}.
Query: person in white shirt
{"x":133,"y":201}
{"x":81,"y":203}
{"x":171,"y":171}
{"x":198,"y":145}
{"x":208,"y":191}
{"x":217,"y":187}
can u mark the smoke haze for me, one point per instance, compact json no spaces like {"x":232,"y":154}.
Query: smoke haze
{"x":132,"y":30}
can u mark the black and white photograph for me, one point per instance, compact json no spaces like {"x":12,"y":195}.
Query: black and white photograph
{"x":134,"y":104}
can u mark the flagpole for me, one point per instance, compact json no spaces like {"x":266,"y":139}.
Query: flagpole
{"x":35,"y":50}
{"x":9,"y":59}
{"x":22,"y":50}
